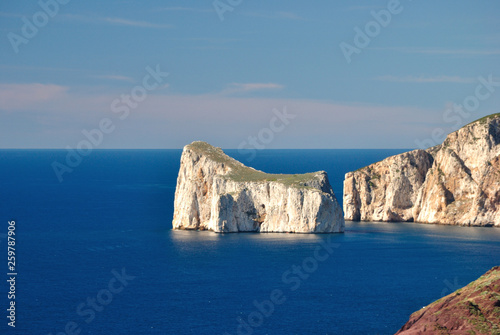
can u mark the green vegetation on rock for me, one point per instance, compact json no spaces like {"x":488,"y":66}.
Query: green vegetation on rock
{"x":241,"y":173}
{"x":476,"y":304}
{"x":485,"y":118}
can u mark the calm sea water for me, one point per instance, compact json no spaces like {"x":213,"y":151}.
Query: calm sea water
{"x":111,"y":218}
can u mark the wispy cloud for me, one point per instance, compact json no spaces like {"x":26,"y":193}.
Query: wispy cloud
{"x":115,"y":21}
{"x":164,"y":119}
{"x":143,"y":24}
{"x":10,"y":67}
{"x":276,"y":15}
{"x":427,"y":79}
{"x":290,"y":16}
{"x":21,"y":96}
{"x":114,"y":77}
{"x":218,"y":40}
{"x":440,"y":51}
{"x":236,"y":88}
{"x":355,"y":8}
{"x":186,"y":9}
{"x":5,"y":14}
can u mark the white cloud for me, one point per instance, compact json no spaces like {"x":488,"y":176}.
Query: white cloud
{"x":236,"y":88}
{"x":186,"y":9}
{"x":426,"y":79}
{"x":5,"y":14}
{"x":290,"y":16}
{"x":363,"y":8}
{"x":163,"y":120}
{"x":37,"y":68}
{"x":23,"y":96}
{"x":143,"y":24}
{"x":114,"y":77}
{"x":114,"y":21}
{"x":275,"y":15}
{"x":439,"y":51}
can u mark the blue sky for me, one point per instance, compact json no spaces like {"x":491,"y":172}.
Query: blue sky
{"x":229,"y":78}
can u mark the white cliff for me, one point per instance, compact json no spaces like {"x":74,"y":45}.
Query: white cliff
{"x":457,"y":182}
{"x":215,"y":192}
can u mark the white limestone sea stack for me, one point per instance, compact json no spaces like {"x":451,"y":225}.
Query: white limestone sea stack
{"x":455,"y":183}
{"x":216,"y":192}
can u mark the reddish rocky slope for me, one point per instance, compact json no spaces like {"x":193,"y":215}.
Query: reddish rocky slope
{"x":473,"y":309}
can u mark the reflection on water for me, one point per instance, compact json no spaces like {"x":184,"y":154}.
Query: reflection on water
{"x":205,"y":235}
{"x":422,"y":229}
{"x":358,"y":235}
{"x":352,"y":228}
{"x":195,"y":242}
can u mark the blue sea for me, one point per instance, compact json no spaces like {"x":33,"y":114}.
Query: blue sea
{"x":95,"y":254}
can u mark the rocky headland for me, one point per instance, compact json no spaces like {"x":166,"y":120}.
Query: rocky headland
{"x":456,"y":183}
{"x":215,"y":192}
{"x":473,"y":309}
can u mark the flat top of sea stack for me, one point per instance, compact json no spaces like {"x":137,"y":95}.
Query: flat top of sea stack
{"x":241,"y":173}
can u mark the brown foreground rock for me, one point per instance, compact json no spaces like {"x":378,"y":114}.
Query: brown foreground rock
{"x":473,"y":309}
{"x":457,"y":182}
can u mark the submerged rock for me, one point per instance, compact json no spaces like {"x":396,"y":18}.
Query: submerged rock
{"x":473,"y":309}
{"x":457,"y":182}
{"x":216,"y":192}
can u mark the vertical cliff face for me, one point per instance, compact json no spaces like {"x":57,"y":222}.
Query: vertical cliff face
{"x":386,"y":191}
{"x":215,"y":192}
{"x":457,"y":182}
